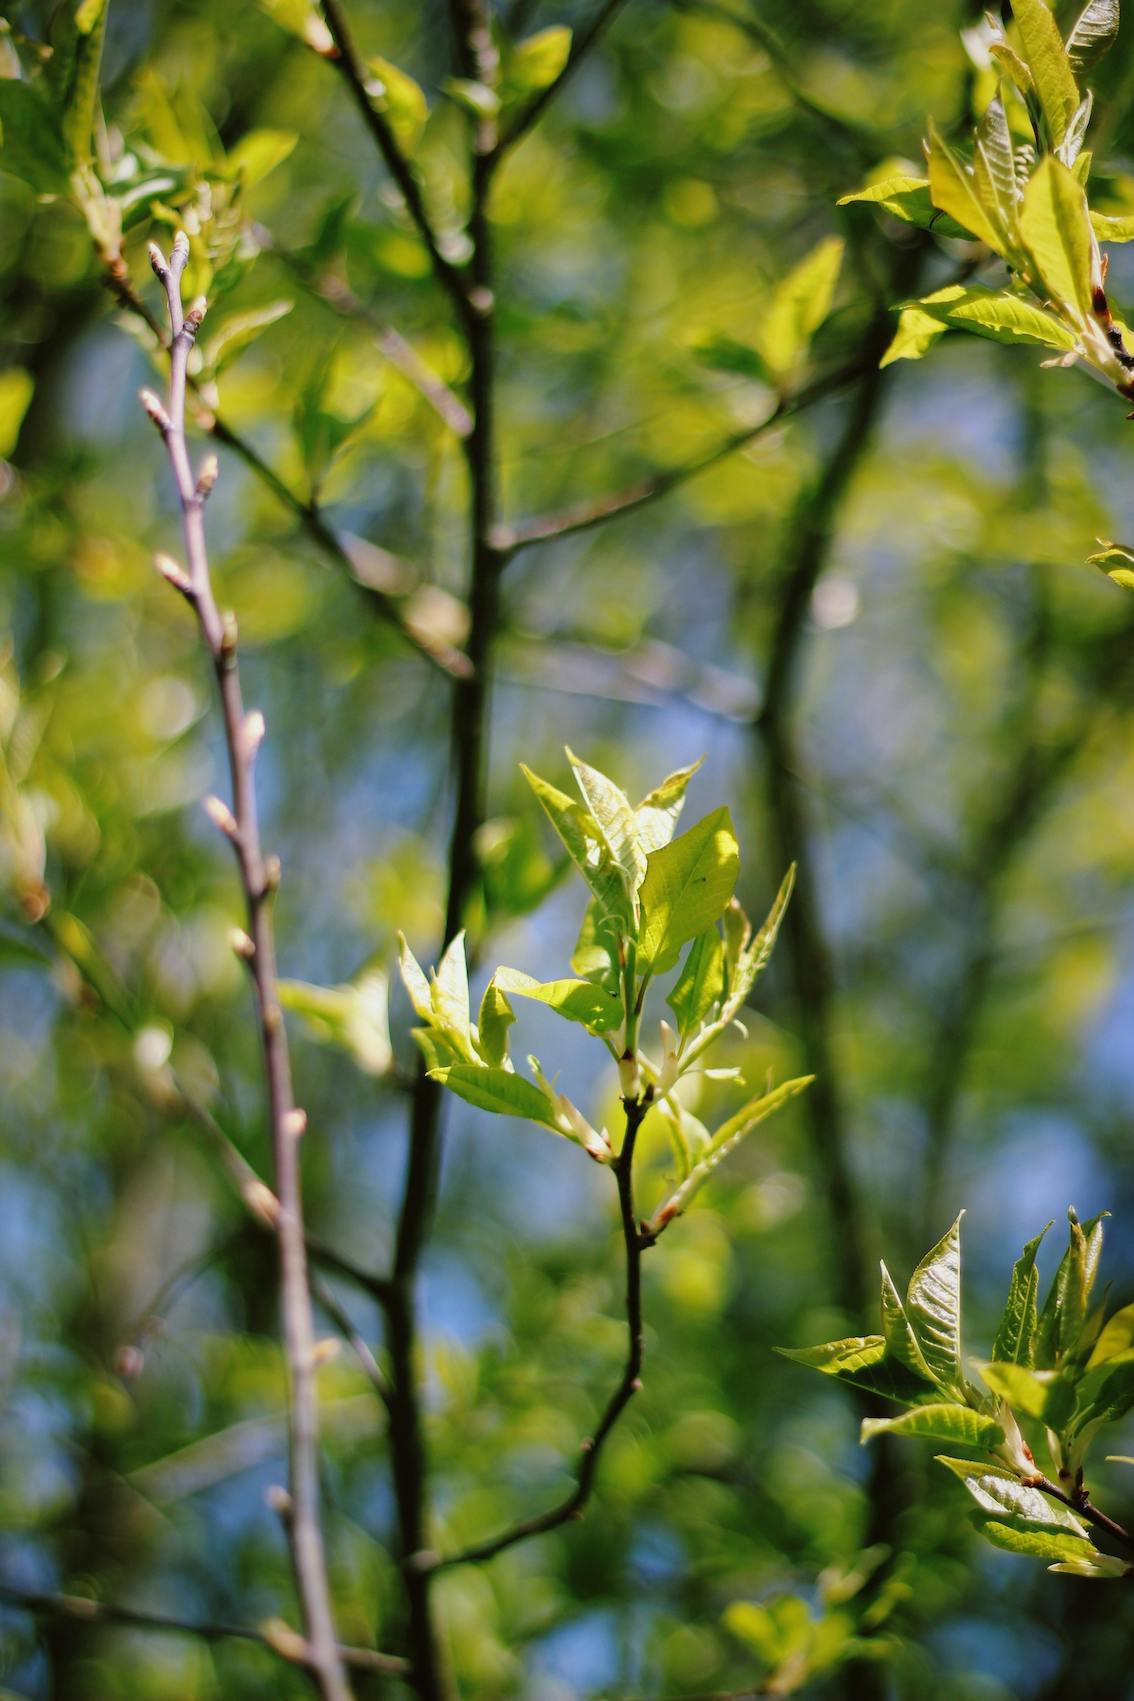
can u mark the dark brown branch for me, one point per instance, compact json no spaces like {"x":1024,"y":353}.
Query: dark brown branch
{"x":110,"y":1612}
{"x":580,"y":47}
{"x":354,"y":74}
{"x":259,"y":878}
{"x":583,"y":516}
{"x":1081,"y":1503}
{"x":635,"y":1243}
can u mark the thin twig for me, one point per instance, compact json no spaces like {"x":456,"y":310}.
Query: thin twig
{"x":259,"y":878}
{"x":583,"y":516}
{"x":358,"y":1345}
{"x":110,"y":1612}
{"x":355,"y":76}
{"x":580,"y":47}
{"x":635,"y":1243}
{"x":1081,"y":1503}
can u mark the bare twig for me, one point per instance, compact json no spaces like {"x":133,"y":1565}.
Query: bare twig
{"x":354,"y":74}
{"x":359,"y":1346}
{"x":635,"y":1243}
{"x":580,"y":47}
{"x":583,"y":516}
{"x":259,"y":878}
{"x":1081,"y":1503}
{"x":290,"y":1646}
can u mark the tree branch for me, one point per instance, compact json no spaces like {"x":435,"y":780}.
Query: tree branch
{"x":1081,"y":1503}
{"x":583,"y":516}
{"x":278,"y":1638}
{"x":635,"y":1243}
{"x":534,"y":111}
{"x":259,"y":878}
{"x":355,"y":75}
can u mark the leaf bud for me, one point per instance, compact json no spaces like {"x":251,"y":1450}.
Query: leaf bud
{"x":221,"y":816}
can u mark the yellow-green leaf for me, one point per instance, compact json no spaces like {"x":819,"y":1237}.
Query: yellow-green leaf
{"x":1049,"y":65}
{"x":395,"y":94}
{"x":954,"y":190}
{"x":16,"y":390}
{"x":798,"y":306}
{"x":1057,"y":233}
{"x":687,"y":885}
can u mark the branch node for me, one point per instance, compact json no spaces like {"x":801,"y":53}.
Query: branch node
{"x":155,"y":408}
{"x":279,"y":1501}
{"x":273,"y":873}
{"x":254,"y":730}
{"x":295,"y":1123}
{"x":221,"y":816}
{"x":262,"y":1203}
{"x":230,"y":635}
{"x":243,"y":944}
{"x":174,"y":574}
{"x":207,"y":477}
{"x":158,"y":261}
{"x":194,"y":315}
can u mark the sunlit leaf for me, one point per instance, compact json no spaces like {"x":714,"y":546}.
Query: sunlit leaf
{"x":260,"y":152}
{"x":1047,"y":60}
{"x":1040,"y":1541}
{"x":998,"y":1490}
{"x":687,"y":885}
{"x":239,"y":331}
{"x":610,"y":807}
{"x":933,"y":1305}
{"x":909,"y":199}
{"x":725,"y":1140}
{"x":939,"y":1421}
{"x":1057,"y":232}
{"x":587,"y":847}
{"x":497,"y":1090}
{"x":917,"y":333}
{"x":1092,"y":34}
{"x":303,"y":19}
{"x":533,"y":64}
{"x":1109,"y":229}
{"x":700,"y":985}
{"x":753,"y":955}
{"x":353,"y":1018}
{"x":577,"y":1000}
{"x":901,"y":1342}
{"x":798,"y":306}
{"x":659,"y":811}
{"x":16,"y":390}
{"x":1016,"y":1336}
{"x":954,"y":190}
{"x":494,"y":1019}
{"x":402,"y":100}
{"x":998,"y":315}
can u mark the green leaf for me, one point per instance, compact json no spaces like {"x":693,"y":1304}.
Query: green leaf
{"x":1116,"y":1339}
{"x":726,"y":1139}
{"x":16,"y":390}
{"x":1028,"y":1391}
{"x":862,"y":1361}
{"x":577,"y":1000}
{"x":1071,"y":147}
{"x":1016,"y":1337}
{"x":901,"y":1342}
{"x":1065,"y":1308}
{"x":258,"y":153}
{"x":239,"y":331}
{"x":414,"y":981}
{"x":595,"y":956}
{"x":30,"y":145}
{"x":998,"y":1490}
{"x":1057,"y":233}
{"x":535,"y":63}
{"x":939,"y":1421}
{"x":658,"y":813}
{"x":401,"y":100}
{"x":493,"y":1021}
{"x":301,"y":18}
{"x":954,"y":190}
{"x":994,"y":170}
{"x":587,"y":847}
{"x":799,"y":305}
{"x":475,"y":98}
{"x":1104,"y":1394}
{"x":1039,"y":1541}
{"x":917,"y":333}
{"x":1012,"y":66}
{"x":1092,"y":35}
{"x":353,"y":1018}
{"x":1101,"y":1565}
{"x":1116,"y":562}
{"x":933,"y":1305}
{"x":79,"y":97}
{"x":1047,"y":60}
{"x":499,"y":1091}
{"x":753,"y":955}
{"x":610,"y":807}
{"x":909,"y":199}
{"x":449,"y":991}
{"x":722,"y":353}
{"x":998,"y":315}
{"x":1113,"y":229}
{"x":700,"y":985}
{"x":687,"y":885}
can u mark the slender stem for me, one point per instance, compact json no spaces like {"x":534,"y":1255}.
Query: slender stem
{"x":354,"y":74}
{"x":1081,"y":1504}
{"x":258,"y":878}
{"x":635,"y":1244}
{"x":582,"y":43}
{"x":110,"y":1612}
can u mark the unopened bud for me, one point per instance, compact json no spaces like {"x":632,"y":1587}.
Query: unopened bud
{"x":273,"y":872}
{"x":221,"y":816}
{"x":195,"y":314}
{"x":158,"y":261}
{"x":230,"y":634}
{"x":180,"y":249}
{"x":210,"y":472}
{"x":272,"y":1019}
{"x":324,"y":1351}
{"x":254,"y":730}
{"x":261,"y":1201}
{"x":174,"y":574}
{"x":278,"y":1500}
{"x":242,"y":944}
{"x":156,"y":410}
{"x":295,"y":1122}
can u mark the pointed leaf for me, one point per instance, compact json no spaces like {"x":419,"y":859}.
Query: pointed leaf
{"x":799,"y":305}
{"x":595,"y":956}
{"x":916,"y":334}
{"x":394,"y":92}
{"x":955,"y":192}
{"x":610,"y":806}
{"x":1071,"y":147}
{"x":239,"y":331}
{"x":1102,"y":1565}
{"x":1040,"y":1541}
{"x":493,"y":1021}
{"x":1057,"y":232}
{"x":933,"y":1305}
{"x":1105,"y":1394}
{"x":700,"y":985}
{"x":863,"y":1362}
{"x":1016,"y":1337}
{"x":414,"y":981}
{"x":535,"y":63}
{"x":901,"y":1342}
{"x":1047,"y":60}
{"x":724,"y":1141}
{"x":1065,"y":1307}
{"x":939,"y":1421}
{"x":1092,"y":34}
{"x":497,"y":1090}
{"x":1113,"y":229}
{"x":755,"y":954}
{"x":994,"y":165}
{"x":998,"y":1490}
{"x":258,"y":153}
{"x":587,"y":848}
{"x":576,"y":1000}
{"x":908,"y":199}
{"x":687,"y":885}
{"x":1116,"y":1339}
{"x":1037,"y":1393}
{"x":658,"y":812}
{"x":449,"y":991}
{"x":998,"y":315}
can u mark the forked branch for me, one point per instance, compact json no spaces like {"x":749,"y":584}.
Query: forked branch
{"x":259,"y":878}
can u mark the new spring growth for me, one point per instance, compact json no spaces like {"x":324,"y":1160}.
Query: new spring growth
{"x":242,"y":944}
{"x":295,"y":1123}
{"x":157,"y":261}
{"x":221,"y":816}
{"x":207,"y":478}
{"x":254,"y":730}
{"x":179,"y":253}
{"x":194,"y":315}
{"x":174,"y":574}
{"x":156,"y":410}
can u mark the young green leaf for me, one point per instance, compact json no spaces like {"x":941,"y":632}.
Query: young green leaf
{"x":1050,"y":67}
{"x":657,"y":814}
{"x":1016,"y":1337}
{"x":535,"y":63}
{"x":1070,"y":148}
{"x":258,"y":153}
{"x":901,"y":1342}
{"x":916,"y":334}
{"x":414,"y":981}
{"x":687,"y":885}
{"x":303,"y":19}
{"x":1038,"y":1540}
{"x":700,"y":985}
{"x":449,"y":992}
{"x":862,"y":1361}
{"x":1092,"y":35}
{"x":909,"y":199}
{"x":994,"y":170}
{"x":998,"y":1490}
{"x":353,"y":1018}
{"x":1100,"y":1565}
{"x":752,"y":957}
{"x":1116,"y":562}
{"x":395,"y":94}
{"x":727,"y":1137}
{"x":493,"y":1021}
{"x":1112,"y":229}
{"x":933,"y":1304}
{"x":940,"y":1421}
{"x":610,"y":807}
{"x":954,"y":190}
{"x":78,"y":95}
{"x":1035,"y":1393}
{"x":30,"y":135}
{"x":998,"y":315}
{"x":498,"y":1090}
{"x":577,"y":1000}
{"x":238,"y":332}
{"x":1065,"y":1307}
{"x":595,"y":956}
{"x":588,"y":849}
{"x":1116,"y":1339}
{"x":1056,"y":230}
{"x":798,"y":306}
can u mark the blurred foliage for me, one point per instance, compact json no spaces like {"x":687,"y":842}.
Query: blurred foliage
{"x":943,"y":739}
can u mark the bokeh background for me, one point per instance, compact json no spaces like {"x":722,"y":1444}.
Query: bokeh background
{"x":875,"y":624}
